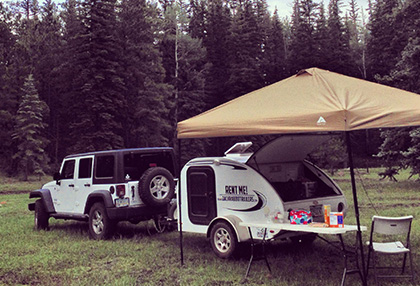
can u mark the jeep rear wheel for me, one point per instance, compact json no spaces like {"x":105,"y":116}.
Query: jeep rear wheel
{"x":41,"y":216}
{"x":100,"y":225}
{"x":156,"y":186}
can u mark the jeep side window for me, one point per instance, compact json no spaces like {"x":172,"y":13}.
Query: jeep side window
{"x":105,"y":167}
{"x":85,"y":168}
{"x":68,"y":170}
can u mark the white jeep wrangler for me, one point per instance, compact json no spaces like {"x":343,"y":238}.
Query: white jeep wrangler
{"x":106,"y":187}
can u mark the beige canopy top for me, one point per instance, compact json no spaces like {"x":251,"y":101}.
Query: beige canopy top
{"x":314,"y":100}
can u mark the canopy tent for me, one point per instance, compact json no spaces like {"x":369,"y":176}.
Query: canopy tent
{"x":314,"y":100}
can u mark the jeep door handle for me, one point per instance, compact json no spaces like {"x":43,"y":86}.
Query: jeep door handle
{"x":87,"y":185}
{"x":71,"y":186}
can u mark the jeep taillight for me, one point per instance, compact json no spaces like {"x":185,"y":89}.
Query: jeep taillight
{"x":120,"y":190}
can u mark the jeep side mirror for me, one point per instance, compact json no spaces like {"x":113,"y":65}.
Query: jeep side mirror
{"x":57,"y":178}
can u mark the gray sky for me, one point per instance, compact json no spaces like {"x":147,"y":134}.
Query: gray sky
{"x":284,"y":7}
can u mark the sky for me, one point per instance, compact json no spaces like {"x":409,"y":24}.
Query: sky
{"x":284,"y":7}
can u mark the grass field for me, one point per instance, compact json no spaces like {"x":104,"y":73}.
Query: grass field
{"x":65,"y":255}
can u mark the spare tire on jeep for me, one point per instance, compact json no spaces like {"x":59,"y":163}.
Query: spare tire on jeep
{"x":156,"y":186}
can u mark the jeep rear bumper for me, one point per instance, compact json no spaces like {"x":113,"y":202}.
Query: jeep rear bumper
{"x":130,"y":213}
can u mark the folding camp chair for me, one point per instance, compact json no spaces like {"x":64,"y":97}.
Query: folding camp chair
{"x":388,"y":228}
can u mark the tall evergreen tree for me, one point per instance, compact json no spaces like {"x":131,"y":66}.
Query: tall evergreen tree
{"x":99,"y":101}
{"x":274,"y":55}
{"x":322,"y":38}
{"x":303,"y":47}
{"x":69,"y":69}
{"x":216,"y":43}
{"x":382,"y":47}
{"x":8,"y":96}
{"x":246,"y":72}
{"x":46,"y":62}
{"x":197,"y":18}
{"x":404,"y":144}
{"x":147,"y":94}
{"x":338,"y":50}
{"x":29,"y":132}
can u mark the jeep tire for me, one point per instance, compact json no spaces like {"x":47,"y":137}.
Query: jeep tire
{"x":156,"y":187}
{"x":100,"y":225}
{"x":41,"y":216}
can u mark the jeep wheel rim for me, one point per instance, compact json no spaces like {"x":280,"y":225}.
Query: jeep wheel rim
{"x":97,"y":222}
{"x":159,"y":187}
{"x":222,"y":240}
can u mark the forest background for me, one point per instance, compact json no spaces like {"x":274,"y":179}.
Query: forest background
{"x":91,"y":75}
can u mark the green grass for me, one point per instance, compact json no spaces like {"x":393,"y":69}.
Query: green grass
{"x":14,"y":185}
{"x":65,"y":256}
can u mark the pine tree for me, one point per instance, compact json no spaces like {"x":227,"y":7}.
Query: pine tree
{"x":358,"y":35}
{"x":216,"y":43}
{"x":197,"y":17}
{"x":46,"y":63}
{"x":8,"y":96}
{"x":383,"y":47}
{"x":404,"y":144}
{"x":246,"y":72}
{"x":338,"y":51}
{"x":69,"y":69}
{"x":147,"y":94}
{"x":274,"y":55}
{"x":29,"y":132}
{"x":99,"y":102}
{"x":322,"y":39}
{"x":302,"y":48}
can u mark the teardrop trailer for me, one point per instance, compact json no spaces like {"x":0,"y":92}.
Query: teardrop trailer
{"x":219,"y":193}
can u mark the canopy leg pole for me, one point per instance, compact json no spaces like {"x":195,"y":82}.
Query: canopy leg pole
{"x":181,"y":248}
{"x":356,"y":207}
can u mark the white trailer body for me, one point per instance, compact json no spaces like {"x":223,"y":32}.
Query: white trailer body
{"x":221,"y":192}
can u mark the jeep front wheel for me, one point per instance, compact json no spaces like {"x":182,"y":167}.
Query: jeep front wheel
{"x":100,"y":225}
{"x":156,"y":186}
{"x":41,"y":216}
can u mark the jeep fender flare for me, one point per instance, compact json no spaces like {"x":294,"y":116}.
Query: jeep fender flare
{"x":46,"y":199}
{"x":103,"y":196}
{"x":241,"y":232}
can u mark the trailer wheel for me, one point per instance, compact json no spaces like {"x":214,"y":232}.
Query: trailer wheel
{"x":156,"y":186}
{"x":41,"y":216}
{"x":223,"y":240}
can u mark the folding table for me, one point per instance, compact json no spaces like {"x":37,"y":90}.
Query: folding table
{"x":287,"y":227}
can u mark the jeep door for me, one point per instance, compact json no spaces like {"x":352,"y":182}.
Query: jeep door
{"x":63,"y":198}
{"x":82,"y":183}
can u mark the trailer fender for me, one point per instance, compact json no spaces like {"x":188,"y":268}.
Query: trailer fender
{"x":241,"y":232}
{"x":45,"y":196}
{"x":103,"y":196}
